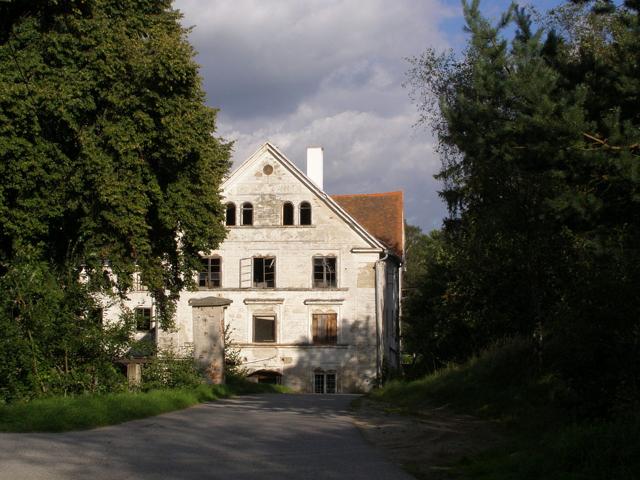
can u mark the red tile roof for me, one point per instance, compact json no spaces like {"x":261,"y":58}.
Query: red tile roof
{"x":381,"y":214}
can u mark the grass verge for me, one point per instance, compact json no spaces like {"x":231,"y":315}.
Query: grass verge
{"x":543,"y":437}
{"x":58,"y":414}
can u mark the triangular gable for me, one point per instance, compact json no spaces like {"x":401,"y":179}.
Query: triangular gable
{"x":302,"y":177}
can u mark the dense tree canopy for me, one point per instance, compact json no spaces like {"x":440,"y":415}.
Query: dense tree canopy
{"x":107,"y":158}
{"x":539,"y":136}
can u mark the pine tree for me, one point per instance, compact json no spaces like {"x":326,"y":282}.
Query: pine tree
{"x":539,"y":135}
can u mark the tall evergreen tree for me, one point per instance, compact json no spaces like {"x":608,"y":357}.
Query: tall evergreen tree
{"x":539,"y":137}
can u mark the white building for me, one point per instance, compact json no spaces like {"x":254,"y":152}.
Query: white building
{"x":312,"y":281}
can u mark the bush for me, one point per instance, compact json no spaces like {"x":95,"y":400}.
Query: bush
{"x":171,"y":369}
{"x":502,"y":382}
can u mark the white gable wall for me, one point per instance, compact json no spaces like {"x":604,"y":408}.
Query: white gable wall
{"x":293,"y":301}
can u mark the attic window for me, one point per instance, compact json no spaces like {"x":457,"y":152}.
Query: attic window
{"x":267,"y":170}
{"x":231,"y":214}
{"x":305,"y":213}
{"x":247,"y":214}
{"x":287,"y":213}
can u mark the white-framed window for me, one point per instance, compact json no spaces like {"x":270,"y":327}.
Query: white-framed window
{"x":138,"y":286}
{"x":143,"y":319}
{"x":264,"y":328}
{"x":324,"y":382}
{"x":210,"y":275}
{"x":247,"y":214}
{"x":305,"y":213}
{"x":264,"y":272}
{"x":324,"y":272}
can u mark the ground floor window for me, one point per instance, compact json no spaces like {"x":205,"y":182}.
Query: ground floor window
{"x":324,"y":382}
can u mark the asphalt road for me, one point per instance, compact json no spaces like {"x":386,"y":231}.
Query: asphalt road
{"x":253,"y":437}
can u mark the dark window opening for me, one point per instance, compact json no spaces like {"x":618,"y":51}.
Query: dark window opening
{"x":330,"y":383}
{"x":266,"y":376}
{"x":209,"y":276}
{"x":324,"y":383}
{"x":287,"y":214}
{"x":231,"y":214}
{"x":247,"y":214}
{"x":305,"y":213}
{"x":264,"y":329}
{"x":264,"y":272}
{"x":324,"y":272}
{"x":143,"y":319}
{"x":96,"y":315}
{"x":324,"y":328}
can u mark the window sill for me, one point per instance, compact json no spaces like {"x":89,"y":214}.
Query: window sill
{"x":270,"y":226}
{"x":297,"y":345}
{"x":284,"y":289}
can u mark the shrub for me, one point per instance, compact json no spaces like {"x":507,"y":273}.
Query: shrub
{"x":170,"y":368}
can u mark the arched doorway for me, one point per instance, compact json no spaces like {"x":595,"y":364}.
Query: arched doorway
{"x":266,"y":376}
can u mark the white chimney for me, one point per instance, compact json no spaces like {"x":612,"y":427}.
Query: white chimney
{"x":314,"y":165}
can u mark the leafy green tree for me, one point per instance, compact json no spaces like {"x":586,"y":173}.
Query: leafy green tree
{"x":108,"y":160}
{"x":431,"y":334}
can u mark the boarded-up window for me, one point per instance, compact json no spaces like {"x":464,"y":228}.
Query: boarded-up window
{"x":324,"y":328}
{"x":143,"y":319}
{"x":305,"y":213}
{"x":287,"y":213}
{"x":210,"y":273}
{"x":231,"y":214}
{"x":264,"y":272}
{"x":247,"y":214}
{"x":264,"y":328}
{"x":324,"y":272}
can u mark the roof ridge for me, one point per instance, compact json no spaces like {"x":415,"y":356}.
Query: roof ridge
{"x":379,"y":194}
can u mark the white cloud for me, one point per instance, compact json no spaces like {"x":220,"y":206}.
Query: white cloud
{"x":324,"y":72}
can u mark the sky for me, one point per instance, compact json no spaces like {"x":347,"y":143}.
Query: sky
{"x":330,"y":73}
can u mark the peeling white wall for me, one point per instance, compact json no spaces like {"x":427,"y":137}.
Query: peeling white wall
{"x":293,"y":301}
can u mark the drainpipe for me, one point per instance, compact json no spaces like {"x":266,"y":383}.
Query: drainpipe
{"x":379,"y":318}
{"x":399,"y":318}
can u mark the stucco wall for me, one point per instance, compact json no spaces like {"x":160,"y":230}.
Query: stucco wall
{"x":293,"y":301}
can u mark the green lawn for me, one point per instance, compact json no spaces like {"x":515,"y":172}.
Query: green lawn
{"x":58,"y":414}
{"x":544,"y":439}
